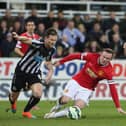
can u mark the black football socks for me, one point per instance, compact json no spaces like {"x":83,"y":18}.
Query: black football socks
{"x":32,"y":102}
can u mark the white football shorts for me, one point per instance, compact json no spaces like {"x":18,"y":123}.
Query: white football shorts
{"x":75,"y":92}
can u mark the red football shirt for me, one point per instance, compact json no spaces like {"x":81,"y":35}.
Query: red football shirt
{"x":92,"y":72}
{"x":24,"y":47}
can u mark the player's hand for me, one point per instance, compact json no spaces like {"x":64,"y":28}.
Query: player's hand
{"x":15,"y":35}
{"x":56,"y":63}
{"x":47,"y":80}
{"x":44,"y":82}
{"x":120,"y":110}
{"x":124,"y":45}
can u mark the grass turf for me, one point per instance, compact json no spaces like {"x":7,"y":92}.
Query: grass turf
{"x":99,"y":113}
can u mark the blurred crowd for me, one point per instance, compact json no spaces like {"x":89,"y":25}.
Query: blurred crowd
{"x":82,"y":33}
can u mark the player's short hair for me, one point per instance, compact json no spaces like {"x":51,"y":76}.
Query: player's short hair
{"x":29,"y":20}
{"x":109,"y":50}
{"x":50,"y":31}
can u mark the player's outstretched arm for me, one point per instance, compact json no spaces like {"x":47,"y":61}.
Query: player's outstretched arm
{"x":116,"y":98}
{"x":68,"y":58}
{"x":22,"y":38}
{"x":56,"y":63}
{"x":19,"y":52}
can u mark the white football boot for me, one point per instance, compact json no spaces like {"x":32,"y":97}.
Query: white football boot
{"x":49,"y":115}
{"x":56,"y":107}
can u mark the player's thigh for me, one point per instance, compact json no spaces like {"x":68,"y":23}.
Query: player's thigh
{"x":34,"y":83}
{"x":65,"y":99}
{"x":36,"y":89}
{"x":18,"y":82}
{"x":83,"y":95}
{"x":80,"y":103}
{"x":70,"y":89}
{"x":33,"y":79}
{"x":14,"y":95}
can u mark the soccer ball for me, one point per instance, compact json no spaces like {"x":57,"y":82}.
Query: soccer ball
{"x":74,"y":112}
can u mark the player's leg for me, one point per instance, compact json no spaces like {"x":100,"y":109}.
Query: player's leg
{"x":34,"y":99}
{"x":17,"y":84}
{"x":34,"y":82}
{"x":54,"y":113}
{"x":60,"y":102}
{"x":81,"y":98}
{"x":63,"y":113}
{"x":68,"y":94}
{"x":27,"y":88}
{"x":80,"y":103}
{"x":13,"y":96}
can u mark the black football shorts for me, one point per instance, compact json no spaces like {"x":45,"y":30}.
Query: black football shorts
{"x":23,"y":81}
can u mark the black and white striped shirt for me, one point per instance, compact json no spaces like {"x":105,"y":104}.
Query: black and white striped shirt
{"x":36,"y":54}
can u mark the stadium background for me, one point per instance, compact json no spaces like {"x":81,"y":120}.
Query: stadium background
{"x":80,"y":11}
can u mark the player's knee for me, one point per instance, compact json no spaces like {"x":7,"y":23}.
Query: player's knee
{"x":37,"y":94}
{"x":64,"y":99}
{"x":37,"y":90}
{"x":81,"y":104}
{"x":14,"y":96}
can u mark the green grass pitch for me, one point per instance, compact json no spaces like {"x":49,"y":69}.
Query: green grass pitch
{"x":99,"y":113}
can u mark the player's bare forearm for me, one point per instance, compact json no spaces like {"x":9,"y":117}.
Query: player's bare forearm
{"x":25,"y":40}
{"x":50,"y":72}
{"x":18,"y":51}
{"x":22,"y":38}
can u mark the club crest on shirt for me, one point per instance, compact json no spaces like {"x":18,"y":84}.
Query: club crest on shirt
{"x":100,"y":73}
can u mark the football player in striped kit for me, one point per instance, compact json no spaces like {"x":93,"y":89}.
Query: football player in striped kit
{"x":28,"y":71}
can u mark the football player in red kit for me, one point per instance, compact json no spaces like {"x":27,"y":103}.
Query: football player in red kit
{"x":82,"y":85}
{"x":21,"y":48}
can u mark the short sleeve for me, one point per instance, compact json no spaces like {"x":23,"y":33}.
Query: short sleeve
{"x":18,"y":45}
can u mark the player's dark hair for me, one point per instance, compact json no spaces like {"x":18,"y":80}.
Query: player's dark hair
{"x":50,"y":31}
{"x":29,"y":20}
{"x":109,"y":50}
